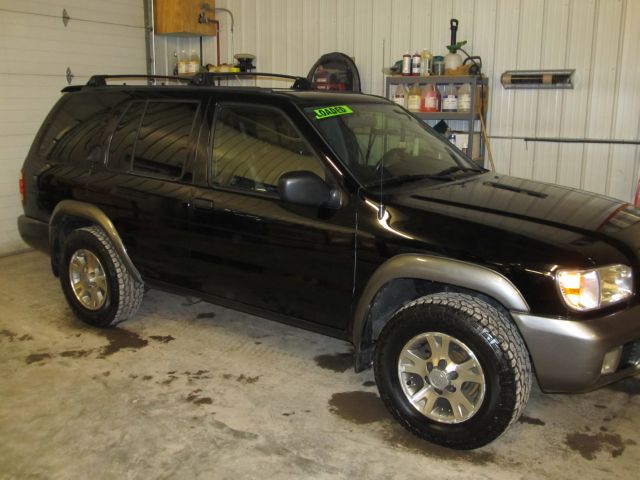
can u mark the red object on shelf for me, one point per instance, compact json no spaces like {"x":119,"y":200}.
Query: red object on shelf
{"x":336,"y":87}
{"x":637,"y":202}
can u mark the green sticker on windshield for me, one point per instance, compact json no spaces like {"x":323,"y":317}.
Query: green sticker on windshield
{"x":327,"y":112}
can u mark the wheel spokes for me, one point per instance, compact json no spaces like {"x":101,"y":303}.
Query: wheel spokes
{"x":468,"y":371}
{"x":410,"y":362}
{"x":448,"y":384}
{"x":460,"y":405}
{"x":439,"y":346}
{"x":88,"y":279}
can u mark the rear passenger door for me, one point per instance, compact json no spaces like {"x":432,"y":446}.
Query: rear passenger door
{"x":146,"y":186}
{"x":293,"y":260}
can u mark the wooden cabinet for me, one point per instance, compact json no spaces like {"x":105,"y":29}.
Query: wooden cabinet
{"x":180,"y":17}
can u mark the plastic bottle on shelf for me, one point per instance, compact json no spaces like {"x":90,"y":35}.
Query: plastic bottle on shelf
{"x":401,"y":95}
{"x":464,"y":98}
{"x":413,"y":101}
{"x":194,"y":62}
{"x":450,"y":98}
{"x":426,"y":59}
{"x":452,"y":61}
{"x":438,"y":65}
{"x":430,"y":99}
{"x":183,"y":63}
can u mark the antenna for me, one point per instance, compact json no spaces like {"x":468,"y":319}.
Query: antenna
{"x":381,"y":209}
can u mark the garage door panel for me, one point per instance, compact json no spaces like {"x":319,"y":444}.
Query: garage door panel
{"x":82,"y":65}
{"x":36,"y":50}
{"x":7,"y":141}
{"x":37,"y":27}
{"x":51,"y":49}
{"x":34,"y":106}
{"x":10,"y":154}
{"x":51,"y":38}
{"x":94,"y":10}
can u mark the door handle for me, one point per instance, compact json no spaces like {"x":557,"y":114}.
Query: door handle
{"x":202,"y":203}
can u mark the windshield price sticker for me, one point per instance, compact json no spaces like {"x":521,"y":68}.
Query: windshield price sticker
{"x":327,"y":112}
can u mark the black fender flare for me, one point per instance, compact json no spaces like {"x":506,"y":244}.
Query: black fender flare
{"x":431,"y":268}
{"x":93,"y":214}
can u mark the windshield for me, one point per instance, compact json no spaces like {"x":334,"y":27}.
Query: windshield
{"x":383,"y":144}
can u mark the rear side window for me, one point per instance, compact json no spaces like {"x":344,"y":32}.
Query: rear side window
{"x":76,"y":127}
{"x":154,"y":138}
{"x":124,"y":137}
{"x":253,"y":146}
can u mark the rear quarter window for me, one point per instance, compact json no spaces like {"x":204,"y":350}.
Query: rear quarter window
{"x":76,"y":127}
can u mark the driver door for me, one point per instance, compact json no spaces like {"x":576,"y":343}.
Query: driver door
{"x":257,"y":250}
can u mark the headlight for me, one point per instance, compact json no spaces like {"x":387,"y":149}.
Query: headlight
{"x":589,"y":289}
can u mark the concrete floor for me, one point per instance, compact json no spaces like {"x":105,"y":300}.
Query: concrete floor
{"x":191,"y":390}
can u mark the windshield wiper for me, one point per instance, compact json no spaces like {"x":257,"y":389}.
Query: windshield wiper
{"x":454,"y":169}
{"x":400,"y":179}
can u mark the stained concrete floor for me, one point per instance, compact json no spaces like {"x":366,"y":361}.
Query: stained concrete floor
{"x":191,"y":390}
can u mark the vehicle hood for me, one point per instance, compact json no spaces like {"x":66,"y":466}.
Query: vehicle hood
{"x":500,"y":212}
{"x":521,"y":199}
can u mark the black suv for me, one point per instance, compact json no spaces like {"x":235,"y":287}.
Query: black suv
{"x":343,"y":214}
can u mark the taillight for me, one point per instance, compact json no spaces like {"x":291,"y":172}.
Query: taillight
{"x":637,"y":202}
{"x":21,"y":184}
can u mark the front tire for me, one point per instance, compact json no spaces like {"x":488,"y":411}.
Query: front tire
{"x":96,"y":283}
{"x":453,"y":370}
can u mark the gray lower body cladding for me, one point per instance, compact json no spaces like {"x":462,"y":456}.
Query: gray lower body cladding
{"x":568,"y":354}
{"x":35,"y":233}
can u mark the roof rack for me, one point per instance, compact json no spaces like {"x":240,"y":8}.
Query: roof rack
{"x":200,"y":79}
{"x":101,"y":80}
{"x":208,"y":79}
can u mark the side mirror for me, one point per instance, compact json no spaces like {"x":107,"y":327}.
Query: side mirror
{"x":307,"y":188}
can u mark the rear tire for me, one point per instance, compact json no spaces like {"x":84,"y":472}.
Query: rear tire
{"x":96,"y":283}
{"x":453,"y":370}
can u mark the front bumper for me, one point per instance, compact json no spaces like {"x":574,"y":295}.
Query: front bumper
{"x":567,"y":354}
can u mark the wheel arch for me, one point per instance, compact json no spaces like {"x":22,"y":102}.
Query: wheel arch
{"x":406,"y":277}
{"x":69,"y":215}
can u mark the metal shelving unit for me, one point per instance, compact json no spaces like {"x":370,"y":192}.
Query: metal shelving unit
{"x":472,"y":117}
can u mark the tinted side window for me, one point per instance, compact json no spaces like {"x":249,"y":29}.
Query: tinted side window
{"x":77,"y":127}
{"x":153,"y":138}
{"x":124,"y":137}
{"x":164,"y":138}
{"x":253,"y":146}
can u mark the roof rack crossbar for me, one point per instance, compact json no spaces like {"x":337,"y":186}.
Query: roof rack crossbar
{"x":101,"y":80}
{"x":208,"y":79}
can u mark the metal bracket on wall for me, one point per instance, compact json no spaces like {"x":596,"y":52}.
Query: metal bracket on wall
{"x":65,"y":17}
{"x":70,"y":75}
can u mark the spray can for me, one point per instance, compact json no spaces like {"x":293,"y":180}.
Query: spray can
{"x":415,"y":64}
{"x":406,"y":64}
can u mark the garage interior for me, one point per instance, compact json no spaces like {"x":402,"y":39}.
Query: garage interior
{"x":188,"y":389}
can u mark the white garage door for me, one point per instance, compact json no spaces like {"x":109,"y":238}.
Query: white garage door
{"x":101,"y":36}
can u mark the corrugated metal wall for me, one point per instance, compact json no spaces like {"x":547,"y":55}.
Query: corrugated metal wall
{"x":599,"y":38}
